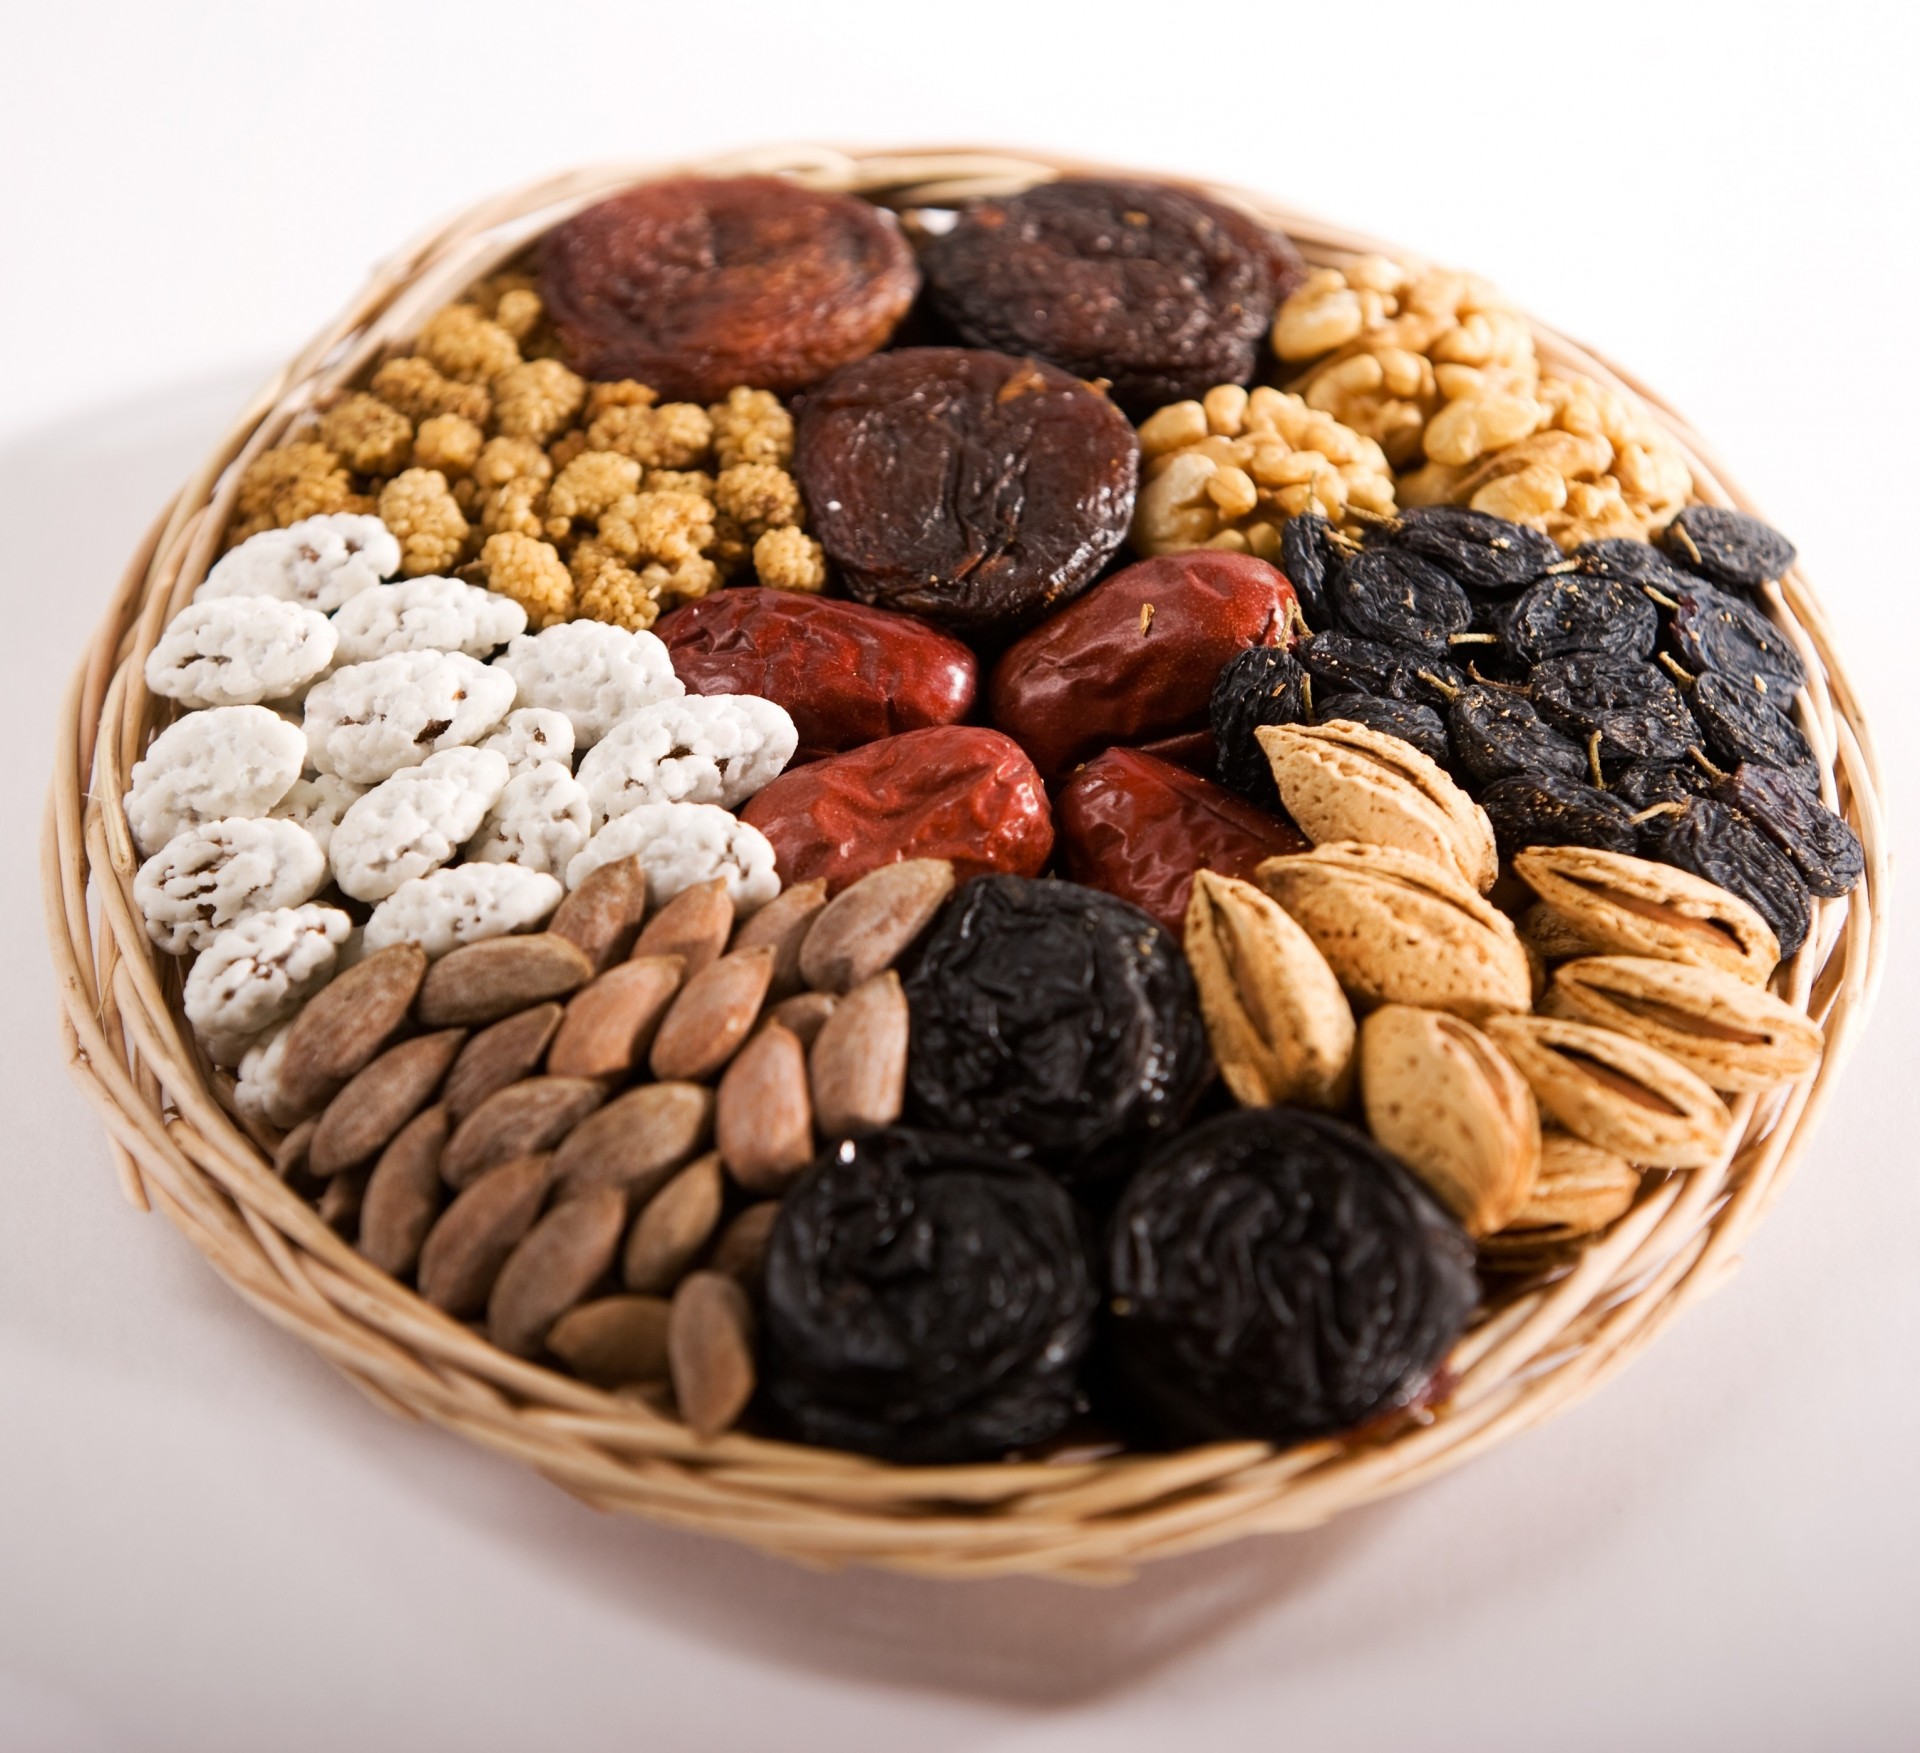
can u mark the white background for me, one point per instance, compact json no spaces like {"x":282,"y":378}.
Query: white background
{"x":208,"y":1542}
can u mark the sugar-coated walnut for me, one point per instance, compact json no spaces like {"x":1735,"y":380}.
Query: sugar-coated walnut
{"x":209,"y":877}
{"x":223,"y":762}
{"x":462,"y":904}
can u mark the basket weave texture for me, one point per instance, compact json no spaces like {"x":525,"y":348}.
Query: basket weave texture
{"x":1084,"y":1519}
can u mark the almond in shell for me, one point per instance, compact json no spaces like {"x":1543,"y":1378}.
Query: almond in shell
{"x":805,"y":1013}
{"x":869,"y":924}
{"x":712,"y":1014}
{"x":694,"y":926}
{"x":710,"y":1351}
{"x":674,"y":1226}
{"x":465,"y":1250}
{"x":347,"y":1022}
{"x":613,"y":1340}
{"x":379,"y":1100}
{"x":762,"y":1114}
{"x":482,"y":982}
{"x":742,"y":1248}
{"x":782,"y":926}
{"x":610,"y":1024}
{"x":857,"y":1067}
{"x":1579,"y":1190}
{"x":604,"y":913}
{"x":636,"y":1141}
{"x":498,"y":1055}
{"x":405,"y":1193}
{"x":532,"y":1115}
{"x":552,"y":1267}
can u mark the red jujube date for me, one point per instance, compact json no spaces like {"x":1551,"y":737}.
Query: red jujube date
{"x":1140,"y":827}
{"x":1135,"y":659}
{"x":846,"y":674}
{"x":953,"y":791}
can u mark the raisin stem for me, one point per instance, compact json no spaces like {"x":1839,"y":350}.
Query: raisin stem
{"x":1593,"y":761}
{"x":1683,"y":676}
{"x":1699,"y":758}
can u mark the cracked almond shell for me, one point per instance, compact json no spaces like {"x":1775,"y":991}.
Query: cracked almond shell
{"x":1578,"y":1190}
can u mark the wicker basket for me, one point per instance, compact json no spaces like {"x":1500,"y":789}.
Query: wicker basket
{"x":1085,"y":1519}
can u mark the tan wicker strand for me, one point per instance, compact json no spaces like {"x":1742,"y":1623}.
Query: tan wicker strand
{"x":1085,"y":1519}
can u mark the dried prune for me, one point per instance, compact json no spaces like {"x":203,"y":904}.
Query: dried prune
{"x":1157,"y":289}
{"x":1556,"y":617}
{"x":1630,"y":562}
{"x":1344,"y":664}
{"x":1824,"y":849}
{"x":1135,"y":658}
{"x":1549,"y":809}
{"x":697,"y":284}
{"x":1488,"y":555}
{"x":1496,"y":733}
{"x":925,"y":1301}
{"x":1139,"y":828}
{"x":1741,"y":725}
{"x":1400,"y":599}
{"x":1054,"y":1022}
{"x":1728,"y":547}
{"x":1275,"y":1274}
{"x":1313,"y":558}
{"x":1712,"y":841}
{"x":1636,"y":710}
{"x":846,"y":674}
{"x":1647,"y":783}
{"x":953,"y":791}
{"x":1263,"y":685}
{"x":1406,"y":719}
{"x":1715,"y":630}
{"x":973,"y":488}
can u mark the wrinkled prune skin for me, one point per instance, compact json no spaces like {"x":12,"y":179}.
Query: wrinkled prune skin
{"x":925,"y":1300}
{"x":846,"y":674}
{"x":1715,"y":630}
{"x":1632,"y":563}
{"x":1740,"y":725}
{"x":1496,"y":733}
{"x":1400,"y":599}
{"x":1263,"y":685}
{"x":973,"y":488}
{"x":1556,"y":617}
{"x":1345,"y":664}
{"x":1139,"y":828}
{"x":1406,"y":719}
{"x":1726,"y":547}
{"x":1134,"y":659}
{"x":695,"y":284}
{"x":953,"y":791}
{"x":1053,"y":1022}
{"x":1714,"y":842}
{"x":1647,"y":783}
{"x":1487,"y":555}
{"x":1274,"y":1274}
{"x":1639,"y":713}
{"x":1313,"y":559}
{"x":1549,"y":809}
{"x":1824,"y":849}
{"x":1157,"y":289}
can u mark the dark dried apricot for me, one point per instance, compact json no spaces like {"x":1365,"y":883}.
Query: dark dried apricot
{"x":1159,"y":290}
{"x":696,"y":284}
{"x":973,"y":488}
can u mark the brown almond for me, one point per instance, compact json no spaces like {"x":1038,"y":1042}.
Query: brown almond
{"x":674,"y":1225}
{"x":858,"y":1066}
{"x":482,"y":982}
{"x":636,"y":1141}
{"x":613,"y":1340}
{"x":347,"y":1022}
{"x":805,"y":1014}
{"x":694,"y":926}
{"x":710,"y":1351}
{"x":290,"y":1154}
{"x":762,"y":1115}
{"x":610,"y":1024}
{"x":867,"y":926}
{"x":341,"y":1200}
{"x":712,"y":1015}
{"x":379,"y":1100}
{"x":525,"y":1117}
{"x":603,"y":915}
{"x":465,"y":1250}
{"x":405,"y":1193}
{"x":497,"y":1056}
{"x":553,"y":1266}
{"x":781,"y":926}
{"x":742,"y":1247}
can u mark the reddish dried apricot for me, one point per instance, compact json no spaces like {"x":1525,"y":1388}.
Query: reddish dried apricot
{"x":973,"y":488}
{"x":954,"y":791}
{"x":696,"y":284}
{"x":1157,"y":289}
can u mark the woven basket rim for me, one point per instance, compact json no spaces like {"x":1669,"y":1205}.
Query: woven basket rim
{"x":1087,"y":1519}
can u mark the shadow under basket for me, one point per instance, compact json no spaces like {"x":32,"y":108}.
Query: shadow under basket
{"x":1528,"y":1354}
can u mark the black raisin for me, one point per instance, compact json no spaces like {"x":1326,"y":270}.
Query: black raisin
{"x":1741,"y":725}
{"x":1275,"y":1274}
{"x":1053,"y":1021}
{"x":1637,"y":712}
{"x":1712,"y":841}
{"x":926,"y":1301}
{"x":1406,"y":719}
{"x":1647,"y":783}
{"x":1714,"y":630}
{"x":1728,"y":547}
{"x":1548,"y":809}
{"x":1557,"y":617}
{"x":1824,"y":849}
{"x":1631,"y":563}
{"x":1399,"y":598}
{"x":1262,"y":685}
{"x":1343,"y":664}
{"x":1497,"y":733}
{"x":1312,"y":557}
{"x":1488,"y":555}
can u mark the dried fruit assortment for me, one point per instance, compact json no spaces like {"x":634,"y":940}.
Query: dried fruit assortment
{"x":851,"y":890}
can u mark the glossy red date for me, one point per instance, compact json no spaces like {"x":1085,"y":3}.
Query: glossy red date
{"x":1139,"y":827}
{"x":1134,"y":660}
{"x":846,"y":673}
{"x":953,"y":791}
